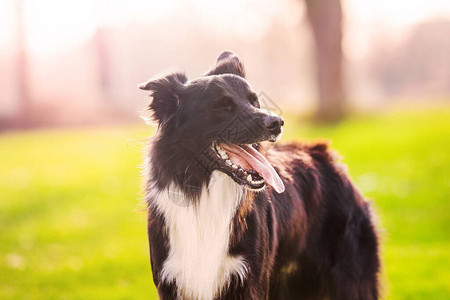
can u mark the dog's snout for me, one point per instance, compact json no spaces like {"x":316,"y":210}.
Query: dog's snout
{"x":273,"y":123}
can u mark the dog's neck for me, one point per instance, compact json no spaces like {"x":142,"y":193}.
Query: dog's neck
{"x":176,"y":160}
{"x":199,"y":236}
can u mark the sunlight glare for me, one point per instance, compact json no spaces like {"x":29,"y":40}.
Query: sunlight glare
{"x":53,"y":26}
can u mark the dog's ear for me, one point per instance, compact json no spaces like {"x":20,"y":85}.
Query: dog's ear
{"x":227,"y":63}
{"x":166,"y":92}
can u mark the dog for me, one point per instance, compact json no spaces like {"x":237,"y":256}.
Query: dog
{"x":231,"y":217}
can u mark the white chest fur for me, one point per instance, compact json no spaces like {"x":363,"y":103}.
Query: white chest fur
{"x":198,"y":259}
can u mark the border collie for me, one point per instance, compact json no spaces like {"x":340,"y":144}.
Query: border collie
{"x":231,"y":218}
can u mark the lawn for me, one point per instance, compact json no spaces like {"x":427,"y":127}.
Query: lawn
{"x":72,"y":225}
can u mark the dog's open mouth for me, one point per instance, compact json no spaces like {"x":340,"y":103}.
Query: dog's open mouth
{"x":245,"y":165}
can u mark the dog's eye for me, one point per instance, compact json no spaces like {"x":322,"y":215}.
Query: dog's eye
{"x":253,"y":98}
{"x":225,"y":103}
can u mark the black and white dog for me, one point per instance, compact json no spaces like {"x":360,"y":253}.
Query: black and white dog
{"x":229,"y":218}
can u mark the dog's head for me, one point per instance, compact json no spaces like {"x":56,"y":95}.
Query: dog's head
{"x":214,"y":122}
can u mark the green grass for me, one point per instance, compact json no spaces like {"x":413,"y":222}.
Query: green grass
{"x":71,"y":228}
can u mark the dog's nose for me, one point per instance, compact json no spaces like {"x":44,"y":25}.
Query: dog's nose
{"x":273,"y":123}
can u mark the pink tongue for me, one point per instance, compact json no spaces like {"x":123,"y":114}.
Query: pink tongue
{"x":258,"y":162}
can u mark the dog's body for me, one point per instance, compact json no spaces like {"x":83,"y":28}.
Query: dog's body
{"x":217,"y":232}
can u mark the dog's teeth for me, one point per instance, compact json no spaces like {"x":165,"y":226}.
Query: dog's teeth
{"x":257,"y":181}
{"x":249,"y":178}
{"x":228,"y":162}
{"x":234,"y":166}
{"x":222,"y":153}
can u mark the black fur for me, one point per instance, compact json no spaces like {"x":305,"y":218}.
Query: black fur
{"x":317,"y":240}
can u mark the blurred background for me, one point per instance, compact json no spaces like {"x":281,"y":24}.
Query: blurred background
{"x":61,"y":57}
{"x":371,"y":76}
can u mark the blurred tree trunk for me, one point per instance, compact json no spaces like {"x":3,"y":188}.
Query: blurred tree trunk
{"x":23,"y":94}
{"x":102,"y":54}
{"x":325,"y":17}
